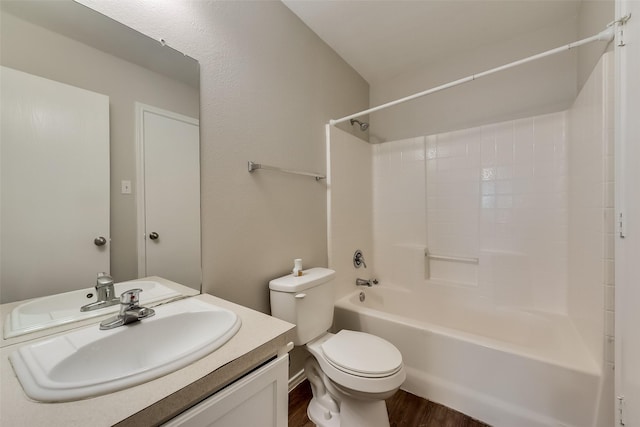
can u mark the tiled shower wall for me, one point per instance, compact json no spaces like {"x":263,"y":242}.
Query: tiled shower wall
{"x":520,"y":196}
{"x":497,"y":193}
{"x":591,"y":213}
{"x":591,"y":221}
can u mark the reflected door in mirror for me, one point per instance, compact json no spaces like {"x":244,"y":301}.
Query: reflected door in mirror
{"x":170,"y":150}
{"x":55,"y":186}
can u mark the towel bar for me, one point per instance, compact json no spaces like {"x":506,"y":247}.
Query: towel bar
{"x":253,"y":166}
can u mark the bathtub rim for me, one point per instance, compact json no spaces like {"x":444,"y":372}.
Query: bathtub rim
{"x":587,"y":364}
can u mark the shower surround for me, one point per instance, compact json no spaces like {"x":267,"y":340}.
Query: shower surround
{"x":527,"y":206}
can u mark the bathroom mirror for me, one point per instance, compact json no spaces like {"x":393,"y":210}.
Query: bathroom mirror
{"x":71,"y":44}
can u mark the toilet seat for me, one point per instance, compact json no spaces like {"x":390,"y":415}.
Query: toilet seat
{"x":362,"y":354}
{"x":357,"y":378}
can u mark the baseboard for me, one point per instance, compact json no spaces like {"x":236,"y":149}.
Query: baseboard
{"x":296,"y":380}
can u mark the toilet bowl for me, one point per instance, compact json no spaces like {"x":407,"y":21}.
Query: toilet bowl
{"x":351,"y":373}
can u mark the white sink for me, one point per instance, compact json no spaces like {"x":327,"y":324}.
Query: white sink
{"x":64,"y":308}
{"x":89,"y":362}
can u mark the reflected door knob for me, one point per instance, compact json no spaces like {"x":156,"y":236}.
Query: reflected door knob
{"x":153,"y":235}
{"x":100,"y":241}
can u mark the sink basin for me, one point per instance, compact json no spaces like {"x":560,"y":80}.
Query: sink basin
{"x":89,"y":362}
{"x":64,"y":308}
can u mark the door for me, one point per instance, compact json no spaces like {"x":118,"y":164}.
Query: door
{"x":628,"y":205}
{"x":169,"y":196}
{"x":55,"y":186}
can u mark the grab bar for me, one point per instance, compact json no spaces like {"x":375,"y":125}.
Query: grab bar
{"x":452,"y":258}
{"x":253,"y":166}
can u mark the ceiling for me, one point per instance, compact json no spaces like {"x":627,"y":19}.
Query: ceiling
{"x":381,"y":39}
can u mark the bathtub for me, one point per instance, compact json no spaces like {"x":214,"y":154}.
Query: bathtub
{"x":505,"y":366}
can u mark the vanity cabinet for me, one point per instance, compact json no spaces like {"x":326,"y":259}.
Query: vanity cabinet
{"x":242,"y":383}
{"x":260,"y":398}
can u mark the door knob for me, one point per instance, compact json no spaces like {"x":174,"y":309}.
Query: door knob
{"x":100,"y":241}
{"x":153,"y":235}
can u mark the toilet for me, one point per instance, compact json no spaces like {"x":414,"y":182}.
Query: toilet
{"x":350,"y":372}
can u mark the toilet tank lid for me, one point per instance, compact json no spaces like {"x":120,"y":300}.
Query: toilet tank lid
{"x":309,"y":279}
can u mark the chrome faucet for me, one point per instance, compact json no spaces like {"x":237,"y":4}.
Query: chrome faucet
{"x":365,"y":282}
{"x":130,"y":311}
{"x":105,"y":293}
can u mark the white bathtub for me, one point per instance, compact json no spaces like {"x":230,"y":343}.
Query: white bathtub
{"x":506,"y":367}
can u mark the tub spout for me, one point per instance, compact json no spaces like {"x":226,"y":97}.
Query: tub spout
{"x":365,"y":282}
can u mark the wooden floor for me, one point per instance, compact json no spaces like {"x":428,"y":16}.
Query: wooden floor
{"x":405,"y":410}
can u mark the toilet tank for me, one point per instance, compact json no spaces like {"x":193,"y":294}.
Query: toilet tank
{"x":306,"y":301}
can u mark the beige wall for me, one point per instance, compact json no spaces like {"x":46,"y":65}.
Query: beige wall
{"x":593,"y":17}
{"x":536,"y":88}
{"x":268,"y":86}
{"x":41,"y":52}
{"x":540,"y":87}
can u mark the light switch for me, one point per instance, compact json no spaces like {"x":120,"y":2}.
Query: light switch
{"x":125,"y":187}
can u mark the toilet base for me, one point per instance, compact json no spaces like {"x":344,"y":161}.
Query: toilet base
{"x":321,"y":416}
{"x":330,"y":407}
{"x":353,"y":413}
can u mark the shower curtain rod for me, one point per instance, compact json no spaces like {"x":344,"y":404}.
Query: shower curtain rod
{"x":605,"y":35}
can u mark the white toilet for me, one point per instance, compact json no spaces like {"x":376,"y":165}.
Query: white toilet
{"x":351,"y":373}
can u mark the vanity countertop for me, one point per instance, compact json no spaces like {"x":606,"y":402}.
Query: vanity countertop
{"x":259,"y":338}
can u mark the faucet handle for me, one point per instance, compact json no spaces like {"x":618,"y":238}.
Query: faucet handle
{"x":104,"y":280}
{"x":358,"y":259}
{"x":130,"y":297}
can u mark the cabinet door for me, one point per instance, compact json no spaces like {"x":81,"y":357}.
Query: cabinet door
{"x":257,"y":399}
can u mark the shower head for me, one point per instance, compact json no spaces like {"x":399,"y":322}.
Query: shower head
{"x":363,"y":125}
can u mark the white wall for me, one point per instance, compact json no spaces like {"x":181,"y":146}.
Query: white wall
{"x":350,"y":201}
{"x":268,"y":86}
